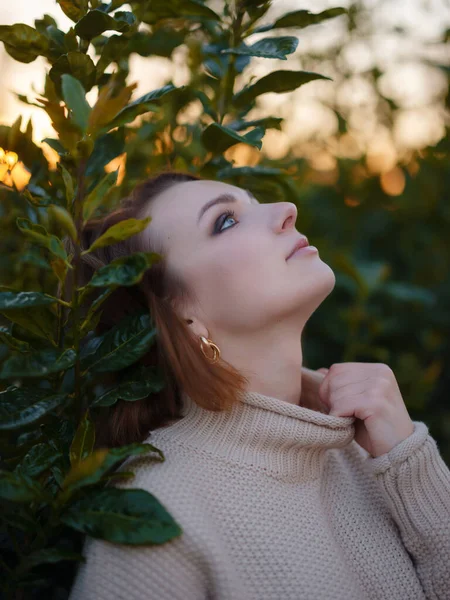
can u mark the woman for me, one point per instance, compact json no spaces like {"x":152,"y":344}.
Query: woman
{"x":288,"y":484}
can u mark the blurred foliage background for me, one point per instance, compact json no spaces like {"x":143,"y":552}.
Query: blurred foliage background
{"x":362,"y":150}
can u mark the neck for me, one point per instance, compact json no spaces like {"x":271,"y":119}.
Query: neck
{"x":271,"y":360}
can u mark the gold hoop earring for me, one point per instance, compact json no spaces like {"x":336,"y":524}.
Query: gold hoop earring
{"x":210,"y":344}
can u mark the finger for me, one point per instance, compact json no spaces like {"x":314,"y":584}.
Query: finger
{"x":311,"y":381}
{"x":324,"y":390}
{"x":323,"y":370}
{"x":311,"y":377}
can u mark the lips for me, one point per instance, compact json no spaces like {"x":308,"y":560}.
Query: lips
{"x":300,"y":244}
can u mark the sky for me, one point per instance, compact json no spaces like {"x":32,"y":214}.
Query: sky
{"x":418,"y":87}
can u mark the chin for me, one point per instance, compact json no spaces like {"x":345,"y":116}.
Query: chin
{"x":331,"y":277}
{"x":327,"y":279}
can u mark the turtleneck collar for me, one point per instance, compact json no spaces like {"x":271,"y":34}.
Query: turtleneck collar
{"x":284,"y":439}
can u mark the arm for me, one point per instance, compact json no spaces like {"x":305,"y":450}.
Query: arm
{"x":171,"y":571}
{"x":415,"y":482}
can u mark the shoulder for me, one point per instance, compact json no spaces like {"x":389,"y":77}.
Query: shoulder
{"x":182,"y":482}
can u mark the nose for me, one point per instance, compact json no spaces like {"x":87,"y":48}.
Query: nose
{"x":287,"y":216}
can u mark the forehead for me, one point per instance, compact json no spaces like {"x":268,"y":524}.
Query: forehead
{"x":187,"y":197}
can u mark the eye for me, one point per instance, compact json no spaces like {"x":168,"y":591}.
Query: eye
{"x":223,"y":217}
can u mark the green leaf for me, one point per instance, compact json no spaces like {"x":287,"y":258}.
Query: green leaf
{"x":68,"y":184}
{"x":118,"y":232}
{"x":258,"y":171}
{"x":195,"y":8}
{"x":278,"y":81}
{"x":19,"y":519}
{"x":12,"y":342}
{"x":90,"y":470}
{"x":36,"y":201}
{"x":71,"y":41}
{"x":113,"y":49}
{"x":25,"y":406}
{"x":96,"y":22}
{"x":57,"y":146}
{"x":94,"y":199}
{"x":218,"y":138}
{"x":74,"y":9}
{"x":39,"y":234}
{"x":47,"y":556}
{"x":23,"y":42}
{"x":368,"y":276}
{"x":25,"y":100}
{"x":266,"y":122}
{"x":276,"y":47}
{"x":121,"y":346}
{"x":10,"y":300}
{"x":118,"y":476}
{"x":36,"y":319}
{"x":125,"y":270}
{"x":302,"y":18}
{"x":217,"y":64}
{"x":92,"y":318}
{"x":176,"y":9}
{"x":18,"y":488}
{"x":39,"y":363}
{"x":133,"y":517}
{"x":37,"y":460}
{"x":132,"y":390}
{"x":161,"y":42}
{"x":64,"y":219}
{"x":42,"y":24}
{"x":75,"y":98}
{"x":206,"y":103}
{"x":77,"y":64}
{"x":56,"y":39}
{"x":142,"y":105}
{"x":83,"y":441}
{"x":60,"y":433}
{"x":106,"y":148}
{"x":407,"y":292}
{"x":33,"y":257}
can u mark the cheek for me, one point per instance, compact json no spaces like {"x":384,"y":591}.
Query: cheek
{"x":240,"y":271}
{"x":239,"y":261}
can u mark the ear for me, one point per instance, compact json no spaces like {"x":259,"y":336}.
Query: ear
{"x":188,"y":314}
{"x":196,"y":326}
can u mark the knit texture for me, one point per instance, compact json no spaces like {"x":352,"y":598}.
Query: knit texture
{"x":278,"y":502}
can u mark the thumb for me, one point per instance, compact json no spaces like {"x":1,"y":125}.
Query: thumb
{"x":323,"y":388}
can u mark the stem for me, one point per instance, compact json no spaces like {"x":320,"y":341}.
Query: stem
{"x":227,"y":90}
{"x":83,"y":46}
{"x":63,"y":302}
{"x":76,"y":294}
{"x":60,"y":316}
{"x":60,"y":331}
{"x":5,"y":566}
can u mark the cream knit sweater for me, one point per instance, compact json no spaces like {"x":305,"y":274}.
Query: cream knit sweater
{"x":278,"y":502}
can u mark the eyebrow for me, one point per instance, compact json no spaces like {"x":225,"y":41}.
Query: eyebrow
{"x":222,"y":199}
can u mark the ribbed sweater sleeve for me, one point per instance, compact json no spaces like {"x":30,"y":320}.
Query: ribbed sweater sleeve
{"x":171,"y":571}
{"x":415,"y":482}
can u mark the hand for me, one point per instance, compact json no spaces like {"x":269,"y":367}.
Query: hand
{"x":370,"y":393}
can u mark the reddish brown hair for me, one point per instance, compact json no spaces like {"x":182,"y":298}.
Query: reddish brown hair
{"x":176,"y":353}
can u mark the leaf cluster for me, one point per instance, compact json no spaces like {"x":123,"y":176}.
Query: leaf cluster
{"x":53,"y":478}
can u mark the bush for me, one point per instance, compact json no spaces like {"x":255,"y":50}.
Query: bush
{"x":53,"y":481}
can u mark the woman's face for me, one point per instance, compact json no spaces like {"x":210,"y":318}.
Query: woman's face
{"x":236,"y":264}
